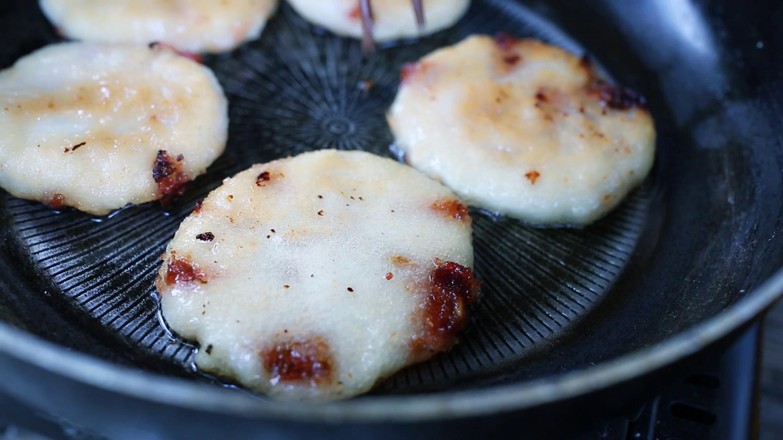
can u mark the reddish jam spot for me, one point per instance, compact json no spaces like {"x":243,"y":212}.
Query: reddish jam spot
{"x":452,"y":289}
{"x":617,"y":98}
{"x":356,"y":12}
{"x":541,"y":97}
{"x":189,"y":55}
{"x":504,"y":41}
{"x":389,"y":276}
{"x":512,"y":60}
{"x":411,"y":70}
{"x":452,"y":208}
{"x":198,"y":207}
{"x":299,"y":360}
{"x":181,"y":270}
{"x":532,"y":176}
{"x":167,"y":173}
{"x":57,"y":201}
{"x":263,"y":177}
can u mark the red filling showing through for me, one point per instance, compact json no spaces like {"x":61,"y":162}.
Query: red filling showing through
{"x":299,"y":360}
{"x":181,"y":270}
{"x":452,"y":208}
{"x":452,"y":289}
{"x":168,"y":174}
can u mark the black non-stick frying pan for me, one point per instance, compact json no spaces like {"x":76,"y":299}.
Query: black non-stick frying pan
{"x":572,"y":322}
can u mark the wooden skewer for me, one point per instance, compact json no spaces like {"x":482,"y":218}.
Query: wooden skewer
{"x":418,"y":8}
{"x":368,"y":45}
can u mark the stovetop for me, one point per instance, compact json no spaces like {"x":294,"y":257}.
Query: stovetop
{"x":771,"y":419}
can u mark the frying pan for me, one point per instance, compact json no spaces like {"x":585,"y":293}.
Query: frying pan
{"x":573,"y":323}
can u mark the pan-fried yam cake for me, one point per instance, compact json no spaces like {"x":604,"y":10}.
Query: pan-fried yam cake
{"x":100,"y":126}
{"x":313,"y":277}
{"x":391,"y":19}
{"x":524,"y":129}
{"x":189,"y":25}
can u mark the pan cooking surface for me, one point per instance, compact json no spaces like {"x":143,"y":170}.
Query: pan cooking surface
{"x":297,"y":89}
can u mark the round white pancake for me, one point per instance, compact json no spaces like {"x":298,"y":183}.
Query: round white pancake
{"x":99,"y":126}
{"x":191,"y":26}
{"x":393,"y":19}
{"x":312,"y":276}
{"x":524,"y":129}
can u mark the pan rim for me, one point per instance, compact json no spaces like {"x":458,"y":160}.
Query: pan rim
{"x":174,"y":391}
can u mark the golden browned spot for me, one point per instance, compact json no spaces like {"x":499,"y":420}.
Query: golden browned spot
{"x":532,"y":176}
{"x":452,"y":208}
{"x":167,"y":173}
{"x":182,"y":270}
{"x":551,"y":103}
{"x":299,"y":360}
{"x":399,"y":260}
{"x":502,"y":94}
{"x":607,"y":197}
